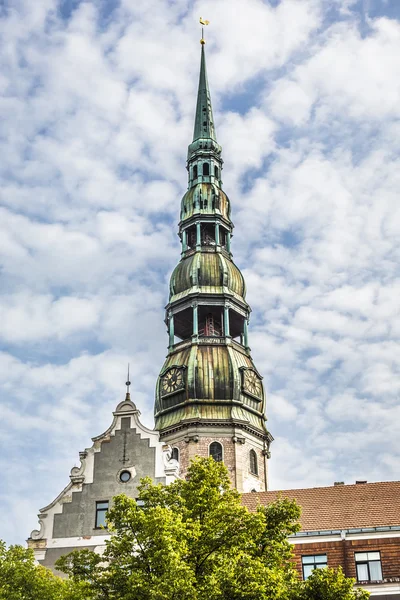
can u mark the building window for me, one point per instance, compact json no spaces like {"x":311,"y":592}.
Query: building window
{"x":101,"y":510}
{"x":175,"y":454}
{"x":216,"y":451}
{"x":195,"y":172}
{"x":216,"y":172}
{"x":309,"y":563}
{"x":253,"y":463}
{"x":125,"y":476}
{"x":368,"y":565}
{"x":206,"y":169}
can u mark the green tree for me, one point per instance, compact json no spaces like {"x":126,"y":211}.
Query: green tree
{"x":22,"y":579}
{"x":194,"y":540}
{"x":330,"y":584}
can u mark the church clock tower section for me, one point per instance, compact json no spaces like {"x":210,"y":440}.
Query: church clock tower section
{"x":210,"y":398}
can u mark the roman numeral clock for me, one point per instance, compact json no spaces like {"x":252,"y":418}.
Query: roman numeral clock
{"x":172,"y":381}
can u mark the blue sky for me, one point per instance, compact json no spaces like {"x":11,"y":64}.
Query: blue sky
{"x":97,"y":106}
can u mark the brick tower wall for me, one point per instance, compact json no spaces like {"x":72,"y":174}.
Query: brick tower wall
{"x":236,"y":455}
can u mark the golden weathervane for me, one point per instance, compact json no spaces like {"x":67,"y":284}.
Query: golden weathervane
{"x":203,"y":22}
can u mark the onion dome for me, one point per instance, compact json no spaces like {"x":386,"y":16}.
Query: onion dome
{"x":205,"y":199}
{"x":207,"y":272}
{"x":214,"y":387}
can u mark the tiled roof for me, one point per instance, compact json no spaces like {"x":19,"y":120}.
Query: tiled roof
{"x":340,"y":506}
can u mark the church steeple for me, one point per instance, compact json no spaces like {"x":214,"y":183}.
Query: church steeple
{"x":210,"y":397}
{"x":204,"y":121}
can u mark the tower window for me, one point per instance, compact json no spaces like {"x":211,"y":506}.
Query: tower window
{"x":101,"y":511}
{"x":222,"y":237}
{"x":216,"y":172}
{"x":207,"y":232}
{"x":191,"y":237}
{"x":195,"y":172}
{"x":209,"y":321}
{"x":253,"y":462}
{"x":175,"y":454}
{"x":216,"y":451}
{"x":206,"y":169}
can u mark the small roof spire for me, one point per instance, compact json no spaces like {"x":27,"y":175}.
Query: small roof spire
{"x":204,"y":121}
{"x":128,"y":383}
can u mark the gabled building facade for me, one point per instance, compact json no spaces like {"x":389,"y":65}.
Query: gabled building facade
{"x":113,"y":464}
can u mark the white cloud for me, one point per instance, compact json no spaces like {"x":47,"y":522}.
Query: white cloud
{"x":97,"y":114}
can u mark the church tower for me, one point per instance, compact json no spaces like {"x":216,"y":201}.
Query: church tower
{"x":210,"y":398}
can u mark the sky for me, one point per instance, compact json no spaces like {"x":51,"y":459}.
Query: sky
{"x":97,"y":102}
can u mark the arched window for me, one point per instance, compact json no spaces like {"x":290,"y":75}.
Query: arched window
{"x":216,"y":171}
{"x":206,"y":169}
{"x":175,"y":454}
{"x":216,"y":451}
{"x":195,"y":172}
{"x":253,"y":462}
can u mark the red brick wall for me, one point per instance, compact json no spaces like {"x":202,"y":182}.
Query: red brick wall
{"x":341,"y":553}
{"x":235,"y":456}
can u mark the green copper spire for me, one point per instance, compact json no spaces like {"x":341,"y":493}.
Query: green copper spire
{"x":204,"y":121}
{"x":209,"y":389}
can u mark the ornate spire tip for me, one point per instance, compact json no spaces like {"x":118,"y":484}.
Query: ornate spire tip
{"x":203,"y":22}
{"x":128,"y":383}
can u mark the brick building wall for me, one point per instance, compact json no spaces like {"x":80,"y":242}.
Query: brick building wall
{"x":236,"y":456}
{"x":341,"y":553}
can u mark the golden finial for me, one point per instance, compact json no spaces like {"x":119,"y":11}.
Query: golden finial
{"x":203,"y":22}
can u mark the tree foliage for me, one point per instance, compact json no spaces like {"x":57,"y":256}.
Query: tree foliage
{"x":22,"y":579}
{"x":190,"y":540}
{"x":194,"y":540}
{"x":330,"y":584}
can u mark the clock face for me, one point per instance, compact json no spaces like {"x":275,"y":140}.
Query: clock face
{"x":172,"y":381}
{"x":252,"y":383}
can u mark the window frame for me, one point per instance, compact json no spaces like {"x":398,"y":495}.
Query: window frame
{"x":98,"y":511}
{"x":253,"y":458}
{"x":314,"y":563}
{"x":367,"y":562}
{"x":222,"y":451}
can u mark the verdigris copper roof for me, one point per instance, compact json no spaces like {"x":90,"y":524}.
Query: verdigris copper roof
{"x":211,"y":271}
{"x":208,"y":374}
{"x":212,"y":382}
{"x":204,"y":120}
{"x":205,"y":199}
